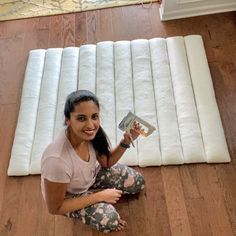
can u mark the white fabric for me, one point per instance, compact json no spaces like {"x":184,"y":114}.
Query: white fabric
{"x":144,"y":102}
{"x":67,"y":83}
{"x":190,"y":133}
{"x":166,"y":82}
{"x":165,"y":104}
{"x":124,"y":97}
{"x":46,"y":107}
{"x":25,"y":130}
{"x":209,"y":116}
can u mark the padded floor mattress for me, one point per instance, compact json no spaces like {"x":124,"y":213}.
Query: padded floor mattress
{"x":166,"y":82}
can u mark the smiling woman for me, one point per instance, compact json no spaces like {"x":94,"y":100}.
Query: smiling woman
{"x":11,"y":9}
{"x":80,"y":174}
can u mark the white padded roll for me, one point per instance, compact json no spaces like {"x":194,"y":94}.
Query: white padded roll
{"x":171,"y":150}
{"x":209,"y":116}
{"x":189,"y":128}
{"x":24,"y":134}
{"x":144,"y":104}
{"x":124,"y":93}
{"x":47,"y":107}
{"x":87,"y":68}
{"x":67,"y":83}
{"x":105,"y":88}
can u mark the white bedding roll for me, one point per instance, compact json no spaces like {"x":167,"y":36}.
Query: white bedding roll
{"x":189,"y":127}
{"x":124,"y":94}
{"x":47,"y":107}
{"x":210,"y":121}
{"x":171,"y":149}
{"x":24,"y":134}
{"x":67,"y":84}
{"x":144,"y":104}
{"x":87,"y":68}
{"x":105,"y":88}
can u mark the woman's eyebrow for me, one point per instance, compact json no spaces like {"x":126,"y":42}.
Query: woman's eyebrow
{"x":80,"y":115}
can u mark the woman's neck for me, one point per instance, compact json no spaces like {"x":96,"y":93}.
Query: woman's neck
{"x":74,"y":140}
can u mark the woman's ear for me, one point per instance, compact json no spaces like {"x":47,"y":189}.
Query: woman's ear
{"x":67,"y":121}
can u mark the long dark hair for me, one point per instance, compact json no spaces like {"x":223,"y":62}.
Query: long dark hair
{"x":101,"y":142}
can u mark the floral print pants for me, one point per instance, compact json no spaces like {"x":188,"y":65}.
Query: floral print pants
{"x":103,"y":216}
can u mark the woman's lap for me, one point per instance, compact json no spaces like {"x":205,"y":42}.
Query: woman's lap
{"x":103,"y":216}
{"x":121,"y":177}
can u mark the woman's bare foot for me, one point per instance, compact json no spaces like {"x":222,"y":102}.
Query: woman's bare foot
{"x":122,"y":225}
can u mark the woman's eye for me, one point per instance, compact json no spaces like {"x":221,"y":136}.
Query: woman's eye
{"x":95,"y":117}
{"x":81,"y":118}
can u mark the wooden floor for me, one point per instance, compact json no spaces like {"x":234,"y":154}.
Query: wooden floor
{"x":184,"y":200}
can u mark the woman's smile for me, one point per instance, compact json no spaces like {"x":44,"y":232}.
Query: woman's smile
{"x":90,"y":132}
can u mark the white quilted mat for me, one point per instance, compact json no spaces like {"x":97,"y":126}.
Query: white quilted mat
{"x":166,"y":82}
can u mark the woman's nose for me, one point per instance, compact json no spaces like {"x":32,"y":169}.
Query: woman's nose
{"x":90,"y":123}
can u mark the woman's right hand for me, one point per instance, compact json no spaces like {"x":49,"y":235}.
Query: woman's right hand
{"x":110,"y":195}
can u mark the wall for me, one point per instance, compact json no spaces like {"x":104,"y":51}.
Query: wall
{"x":175,"y":9}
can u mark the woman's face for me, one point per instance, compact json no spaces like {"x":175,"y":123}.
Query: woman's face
{"x":84,"y":121}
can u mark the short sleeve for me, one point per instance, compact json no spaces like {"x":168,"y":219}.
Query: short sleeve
{"x":55,"y":170}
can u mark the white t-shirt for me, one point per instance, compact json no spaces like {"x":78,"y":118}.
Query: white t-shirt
{"x":60,"y":163}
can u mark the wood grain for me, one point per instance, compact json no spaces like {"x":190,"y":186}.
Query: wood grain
{"x":196,"y":199}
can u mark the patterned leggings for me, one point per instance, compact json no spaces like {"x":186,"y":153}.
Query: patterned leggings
{"x":103,"y":216}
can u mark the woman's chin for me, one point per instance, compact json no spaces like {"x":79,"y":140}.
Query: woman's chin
{"x":89,"y":137}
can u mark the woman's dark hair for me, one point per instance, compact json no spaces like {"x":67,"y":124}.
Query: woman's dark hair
{"x":101,"y":142}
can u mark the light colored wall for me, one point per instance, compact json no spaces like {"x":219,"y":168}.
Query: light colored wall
{"x":174,"y":9}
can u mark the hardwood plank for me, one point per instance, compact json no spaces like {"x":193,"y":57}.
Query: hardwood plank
{"x":11,"y":56}
{"x":104,"y":25}
{"x":189,"y":180}
{"x":91,"y":19}
{"x":118,"y":24}
{"x":136,"y":20}
{"x":99,"y":24}
{"x":198,"y":217}
{"x":46,"y":221}
{"x":81,"y":29}
{"x":29,"y":195}
{"x":55,"y":31}
{"x":43,"y":33}
{"x":10,"y":207}
{"x":138,"y":222}
{"x":68,"y":30}
{"x":213,"y":196}
{"x":227,"y":185}
{"x":8,"y":115}
{"x":156,"y":215}
{"x":178,"y":217}
{"x":64,"y":226}
{"x":157,"y":26}
{"x":225,"y":89}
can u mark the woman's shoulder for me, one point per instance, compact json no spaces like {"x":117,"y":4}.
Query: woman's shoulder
{"x":57,"y":148}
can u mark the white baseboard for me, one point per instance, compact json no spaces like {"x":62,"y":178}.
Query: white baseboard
{"x":196,"y":11}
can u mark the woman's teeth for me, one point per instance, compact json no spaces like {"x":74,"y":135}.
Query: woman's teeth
{"x":89,"y":132}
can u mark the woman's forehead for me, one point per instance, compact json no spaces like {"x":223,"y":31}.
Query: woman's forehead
{"x":86,"y":107}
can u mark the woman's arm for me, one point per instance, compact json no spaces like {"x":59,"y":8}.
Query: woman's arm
{"x":58,"y":205}
{"x":118,"y":151}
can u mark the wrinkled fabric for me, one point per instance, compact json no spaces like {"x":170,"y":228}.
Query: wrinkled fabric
{"x":103,"y":216}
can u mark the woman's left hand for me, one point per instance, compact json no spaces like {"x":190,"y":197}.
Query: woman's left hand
{"x":134,"y":132}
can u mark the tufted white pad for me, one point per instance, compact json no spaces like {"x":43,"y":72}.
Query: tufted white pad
{"x":166,"y":82}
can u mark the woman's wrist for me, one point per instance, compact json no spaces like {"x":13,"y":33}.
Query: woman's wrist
{"x":124,"y":143}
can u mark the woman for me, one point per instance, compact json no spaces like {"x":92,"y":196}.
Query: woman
{"x":80,"y":176}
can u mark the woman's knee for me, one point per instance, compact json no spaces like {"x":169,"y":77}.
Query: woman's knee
{"x":105,"y":218}
{"x":134,"y":183}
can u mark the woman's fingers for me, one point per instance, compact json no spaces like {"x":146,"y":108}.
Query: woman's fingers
{"x":122,"y":225}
